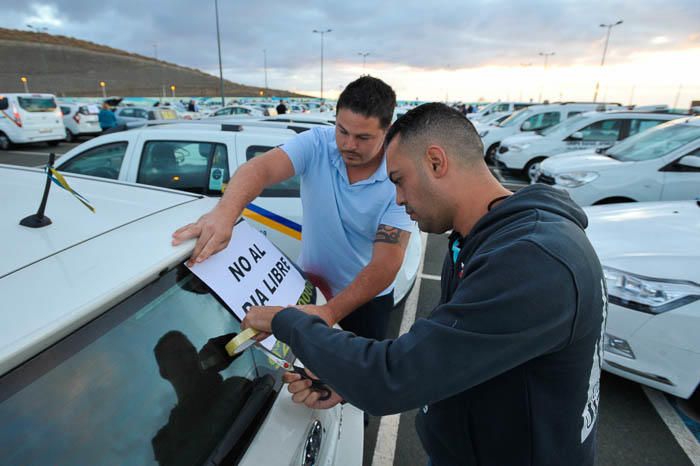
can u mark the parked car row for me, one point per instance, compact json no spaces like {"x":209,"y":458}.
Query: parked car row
{"x":659,"y":164}
{"x":649,"y":250}
{"x":532,"y":119}
{"x":522,"y":153}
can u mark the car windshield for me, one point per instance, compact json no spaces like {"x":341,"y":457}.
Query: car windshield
{"x":566,"y":126}
{"x":37,"y":104}
{"x":141,"y":384}
{"x":655,"y":142}
{"x":516,"y":118}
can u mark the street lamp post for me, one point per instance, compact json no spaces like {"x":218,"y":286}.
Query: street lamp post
{"x":546,"y":56}
{"x":265,"y":64}
{"x":322,"y":32}
{"x":364,"y":59}
{"x":160,"y":69}
{"x":605,"y":50}
{"x":24,"y":81}
{"x":103,"y":85}
{"x":218,"y":43}
{"x":41,"y":30}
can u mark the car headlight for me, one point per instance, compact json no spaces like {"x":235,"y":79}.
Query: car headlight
{"x":575,"y":179}
{"x":483,"y":133}
{"x":518,"y":147}
{"x":646,"y":294}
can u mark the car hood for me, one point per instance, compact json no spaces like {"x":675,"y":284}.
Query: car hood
{"x":654,"y":239}
{"x":578,"y":163}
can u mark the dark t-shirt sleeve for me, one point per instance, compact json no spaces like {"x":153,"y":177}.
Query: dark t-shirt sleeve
{"x":513,"y":304}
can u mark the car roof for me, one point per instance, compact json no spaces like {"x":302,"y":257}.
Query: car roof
{"x":55,"y":279}
{"x":695,"y":121}
{"x":593,"y":114}
{"x":26,"y":94}
{"x":211,"y":127}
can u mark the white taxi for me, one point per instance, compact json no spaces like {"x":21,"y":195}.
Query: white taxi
{"x":108,"y":345}
{"x":196,"y":158}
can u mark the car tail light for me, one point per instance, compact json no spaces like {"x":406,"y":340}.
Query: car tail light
{"x":76,"y":117}
{"x":18,"y":119}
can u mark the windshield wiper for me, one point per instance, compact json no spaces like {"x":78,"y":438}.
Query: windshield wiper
{"x":253,"y":411}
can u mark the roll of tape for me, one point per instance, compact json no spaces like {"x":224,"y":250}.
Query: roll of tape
{"x":241,"y":342}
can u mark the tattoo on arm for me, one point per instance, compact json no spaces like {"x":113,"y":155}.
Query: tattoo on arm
{"x":387,"y":234}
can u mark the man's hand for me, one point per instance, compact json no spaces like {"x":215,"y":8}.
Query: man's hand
{"x":302,"y":393}
{"x":260,"y":318}
{"x":325,"y":312}
{"x":213,"y":232}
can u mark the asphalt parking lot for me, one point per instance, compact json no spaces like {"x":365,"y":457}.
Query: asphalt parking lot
{"x":638,"y":426}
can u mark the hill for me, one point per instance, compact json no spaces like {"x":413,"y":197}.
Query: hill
{"x":67,"y":66}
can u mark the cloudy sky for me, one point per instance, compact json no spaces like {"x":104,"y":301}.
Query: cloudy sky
{"x":436,"y":50}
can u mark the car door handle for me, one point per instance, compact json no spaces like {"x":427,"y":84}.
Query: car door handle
{"x":312,"y":445}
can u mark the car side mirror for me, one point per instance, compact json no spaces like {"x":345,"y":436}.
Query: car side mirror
{"x":527,"y":126}
{"x":577,"y":136}
{"x":691,"y":161}
{"x":4,"y":104}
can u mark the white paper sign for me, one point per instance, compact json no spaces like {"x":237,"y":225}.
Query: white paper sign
{"x":251,"y":271}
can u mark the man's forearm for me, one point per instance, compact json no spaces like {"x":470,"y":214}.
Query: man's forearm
{"x":244,"y":186}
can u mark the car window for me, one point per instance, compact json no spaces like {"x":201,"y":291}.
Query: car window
{"x":126,"y":112}
{"x":192,"y":166}
{"x":656,"y":142}
{"x":500,"y":108}
{"x":287,"y":188}
{"x":602,"y":131}
{"x":517,"y":107}
{"x":516,"y":118}
{"x":37,"y":104}
{"x":141,"y":384}
{"x":140,"y":113}
{"x":543,"y":120}
{"x":104,"y":161}
{"x":65,"y":110}
{"x":637,"y":126}
{"x":574,"y":113}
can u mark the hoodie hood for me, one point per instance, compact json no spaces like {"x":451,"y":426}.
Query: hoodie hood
{"x":534,"y":197}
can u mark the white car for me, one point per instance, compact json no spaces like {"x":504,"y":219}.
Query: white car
{"x":200,"y":160}
{"x":80,"y":120}
{"x":531,"y":119}
{"x":30,"y":118}
{"x":495,"y":109}
{"x":106,"y":343}
{"x":651,"y":258}
{"x":521,"y":154}
{"x":660,"y":164}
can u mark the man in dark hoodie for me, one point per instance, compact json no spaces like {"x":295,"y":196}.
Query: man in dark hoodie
{"x":507,"y":366}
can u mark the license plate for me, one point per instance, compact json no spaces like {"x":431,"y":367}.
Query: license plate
{"x":45,"y":130}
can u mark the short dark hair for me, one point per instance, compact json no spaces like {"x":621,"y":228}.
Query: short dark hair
{"x":370,"y":97}
{"x":440,"y":124}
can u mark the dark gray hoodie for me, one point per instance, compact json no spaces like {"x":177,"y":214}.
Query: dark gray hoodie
{"x":507,"y":366}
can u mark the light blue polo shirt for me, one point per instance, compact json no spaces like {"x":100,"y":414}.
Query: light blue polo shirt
{"x":340,"y":219}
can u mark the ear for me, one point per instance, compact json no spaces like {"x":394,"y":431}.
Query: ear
{"x":437,"y":161}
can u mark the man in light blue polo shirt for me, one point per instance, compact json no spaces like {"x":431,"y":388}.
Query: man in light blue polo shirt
{"x":355,"y":234}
